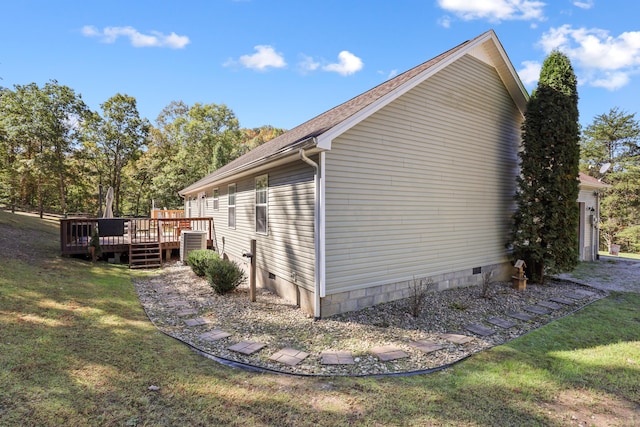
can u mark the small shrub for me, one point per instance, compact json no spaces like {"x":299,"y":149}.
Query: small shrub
{"x":199,"y":259}
{"x":94,"y":246}
{"x":418,"y":294}
{"x":224,"y":275}
{"x":486,"y":281}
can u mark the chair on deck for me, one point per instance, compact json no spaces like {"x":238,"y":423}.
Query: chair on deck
{"x":183,"y":225}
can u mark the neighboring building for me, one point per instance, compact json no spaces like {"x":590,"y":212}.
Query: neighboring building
{"x":589,"y":203}
{"x":411,"y":180}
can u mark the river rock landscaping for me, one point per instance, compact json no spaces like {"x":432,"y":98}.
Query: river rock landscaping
{"x":274,"y":335}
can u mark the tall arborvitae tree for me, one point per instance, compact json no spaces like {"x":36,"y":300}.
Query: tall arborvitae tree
{"x":546,"y":222}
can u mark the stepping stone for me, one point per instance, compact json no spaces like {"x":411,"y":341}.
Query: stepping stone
{"x":336,"y":358}
{"x":387,"y":353}
{"x":456,"y":338}
{"x":503,"y":323}
{"x":289,"y":356}
{"x":187,"y":312}
{"x":574,"y":295}
{"x":520,"y":316}
{"x":481,"y":330}
{"x":247,"y":347}
{"x":561,"y":300}
{"x":585,"y":293}
{"x":197,"y":321}
{"x":177,"y":303}
{"x":537,"y":309}
{"x":214,"y":335}
{"x":427,"y":346}
{"x":549,"y":304}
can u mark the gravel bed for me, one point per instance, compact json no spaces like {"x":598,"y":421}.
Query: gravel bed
{"x":174,"y":294}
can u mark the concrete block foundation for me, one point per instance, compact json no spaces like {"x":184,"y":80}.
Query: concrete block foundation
{"x":362,"y":298}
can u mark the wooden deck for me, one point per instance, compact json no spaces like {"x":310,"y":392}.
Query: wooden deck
{"x":117,"y":235}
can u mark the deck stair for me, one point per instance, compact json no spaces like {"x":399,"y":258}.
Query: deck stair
{"x":145,"y":255}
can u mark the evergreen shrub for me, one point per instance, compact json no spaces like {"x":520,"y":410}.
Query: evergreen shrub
{"x":224,"y":275}
{"x":199,"y":259}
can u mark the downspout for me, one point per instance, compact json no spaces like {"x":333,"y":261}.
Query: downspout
{"x":316,"y":231}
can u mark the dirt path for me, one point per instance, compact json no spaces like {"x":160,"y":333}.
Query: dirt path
{"x":609,"y":273}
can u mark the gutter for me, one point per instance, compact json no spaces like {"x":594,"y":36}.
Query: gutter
{"x":316,"y":232}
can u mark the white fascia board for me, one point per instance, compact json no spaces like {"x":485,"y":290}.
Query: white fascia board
{"x":509,"y":75}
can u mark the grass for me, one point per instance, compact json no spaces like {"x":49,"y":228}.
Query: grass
{"x":622,"y":255}
{"x":76,"y":349}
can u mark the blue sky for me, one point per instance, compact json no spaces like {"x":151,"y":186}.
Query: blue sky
{"x":282,"y":62}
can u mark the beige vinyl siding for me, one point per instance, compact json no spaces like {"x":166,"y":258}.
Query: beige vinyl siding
{"x":288,"y":247}
{"x":424,"y":186}
{"x":208,"y":204}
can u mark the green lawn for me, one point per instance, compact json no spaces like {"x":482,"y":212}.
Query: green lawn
{"x":621,"y":255}
{"x":76,"y":349}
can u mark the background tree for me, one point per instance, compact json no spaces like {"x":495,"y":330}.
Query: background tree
{"x":56,"y":154}
{"x":40,"y":133}
{"x":190,"y":142}
{"x":614,"y":137}
{"x":251,"y":138}
{"x":117,"y":138}
{"x":611,"y":138}
{"x":547,"y":217}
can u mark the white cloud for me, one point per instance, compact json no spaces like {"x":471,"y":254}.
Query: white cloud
{"x":307,"y":64}
{"x":530,"y":73}
{"x":493,"y":10}
{"x":264,"y":58}
{"x":584,"y":4}
{"x":90,"y":31}
{"x":137,"y":39}
{"x":445,"y":21}
{"x":612,"y":81}
{"x":349,"y":64}
{"x":603,"y":60}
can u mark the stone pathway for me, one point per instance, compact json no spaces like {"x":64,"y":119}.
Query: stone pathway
{"x":204,"y":325}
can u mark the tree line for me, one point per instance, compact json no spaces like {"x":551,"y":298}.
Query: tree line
{"x":57,"y":153}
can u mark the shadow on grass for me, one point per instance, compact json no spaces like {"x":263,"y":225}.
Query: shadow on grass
{"x":76,"y":349}
{"x":86,"y":354}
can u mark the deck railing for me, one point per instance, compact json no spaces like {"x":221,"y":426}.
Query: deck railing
{"x":167,"y":213}
{"x":117,"y":234}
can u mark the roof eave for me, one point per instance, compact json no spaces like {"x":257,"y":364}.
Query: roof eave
{"x":207,"y":181}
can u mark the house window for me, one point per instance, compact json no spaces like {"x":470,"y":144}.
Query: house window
{"x":232,"y":205}
{"x":262,"y":184}
{"x":216,"y":199}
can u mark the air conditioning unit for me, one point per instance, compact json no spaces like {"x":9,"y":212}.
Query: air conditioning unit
{"x":191,"y":240}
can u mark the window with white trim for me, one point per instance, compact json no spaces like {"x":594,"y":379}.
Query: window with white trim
{"x":216,"y":199}
{"x":231,"y":205}
{"x":262,"y":185}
